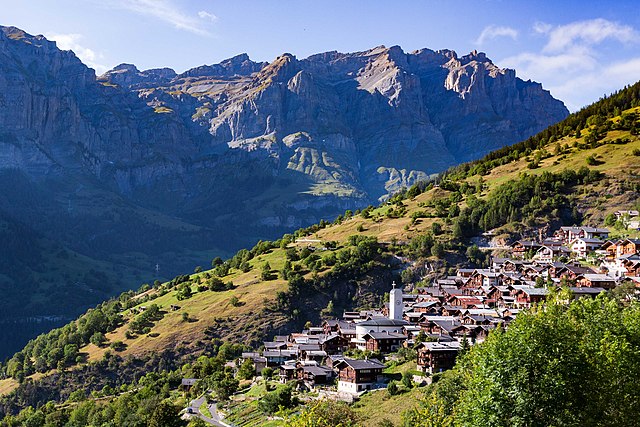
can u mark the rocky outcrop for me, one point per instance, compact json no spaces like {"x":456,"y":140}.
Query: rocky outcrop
{"x":291,"y":139}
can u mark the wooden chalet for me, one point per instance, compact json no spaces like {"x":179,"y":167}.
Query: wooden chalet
{"x":383,"y":342}
{"x":596,"y":281}
{"x":437,"y":356}
{"x":355,"y":376}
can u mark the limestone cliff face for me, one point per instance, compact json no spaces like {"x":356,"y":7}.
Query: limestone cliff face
{"x":293,"y":140}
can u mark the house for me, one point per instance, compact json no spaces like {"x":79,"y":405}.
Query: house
{"x":630,"y":219}
{"x":627,"y":246}
{"x":622,"y":214}
{"x":569,"y":234}
{"x":355,"y":376}
{"x":548,"y":253}
{"x":380,"y":324}
{"x":334,"y":343}
{"x":187,"y":383}
{"x":481,"y":277}
{"x":313,"y":375}
{"x":572,"y":271}
{"x":259,"y":362}
{"x":278,"y":357}
{"x":437,"y":356}
{"x":585,"y":292}
{"x":288,"y":371}
{"x":525,"y":296}
{"x":596,"y":281}
{"x":520,"y":248}
{"x":584,"y":245}
{"x":383,"y":342}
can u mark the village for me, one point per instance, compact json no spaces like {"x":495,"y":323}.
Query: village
{"x":439,"y":320}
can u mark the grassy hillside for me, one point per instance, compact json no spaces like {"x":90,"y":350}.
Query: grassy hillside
{"x":574,"y":176}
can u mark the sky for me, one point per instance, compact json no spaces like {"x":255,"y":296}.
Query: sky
{"x":579,"y":50}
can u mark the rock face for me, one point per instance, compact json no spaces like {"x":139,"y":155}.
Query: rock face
{"x":235,"y":151}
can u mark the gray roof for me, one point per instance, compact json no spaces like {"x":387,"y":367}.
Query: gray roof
{"x":382,"y":321}
{"x":385,"y":335}
{"x":362,"y":364}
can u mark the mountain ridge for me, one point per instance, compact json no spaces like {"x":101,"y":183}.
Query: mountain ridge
{"x":142,"y":168}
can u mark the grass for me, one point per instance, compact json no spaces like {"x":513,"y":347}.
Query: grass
{"x":162,"y":110}
{"x":377,"y":405}
{"x":7,"y":386}
{"x":204,"y":409}
{"x":214,"y":310}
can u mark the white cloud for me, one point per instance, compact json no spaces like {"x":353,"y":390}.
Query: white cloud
{"x":492,"y":31}
{"x":73,"y":42}
{"x":575,"y":61}
{"x":601,"y":81}
{"x":166,"y":11}
{"x":207,"y":15}
{"x":583,"y":33}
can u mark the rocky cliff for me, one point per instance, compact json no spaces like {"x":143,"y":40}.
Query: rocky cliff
{"x":144,"y":167}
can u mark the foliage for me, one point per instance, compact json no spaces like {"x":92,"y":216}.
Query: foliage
{"x":558,"y":364}
{"x":281,"y":398}
{"x":325,"y":414}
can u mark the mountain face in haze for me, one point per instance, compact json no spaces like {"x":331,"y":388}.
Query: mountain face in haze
{"x":135,"y":169}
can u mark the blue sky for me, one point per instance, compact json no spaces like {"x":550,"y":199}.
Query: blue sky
{"x":579,"y":50}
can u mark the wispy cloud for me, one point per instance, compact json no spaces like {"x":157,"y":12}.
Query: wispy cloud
{"x":584,"y":33}
{"x":72,"y":42}
{"x":168,"y":12}
{"x":570,"y":60}
{"x":492,"y":31}
{"x":207,"y":15}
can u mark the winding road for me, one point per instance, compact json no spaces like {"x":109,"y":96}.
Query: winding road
{"x":194,"y":408}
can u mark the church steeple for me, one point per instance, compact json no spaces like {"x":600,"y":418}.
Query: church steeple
{"x":395,"y":302}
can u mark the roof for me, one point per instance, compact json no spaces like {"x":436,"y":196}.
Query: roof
{"x":382,"y":321}
{"x":361,"y":364}
{"x":189,"y":381}
{"x":317,"y":370}
{"x":598,"y":278}
{"x":594,"y":230}
{"x":440,"y":346}
{"x":583,"y":290}
{"x":279,"y":353}
{"x":384,"y":335}
{"x":584,"y":239}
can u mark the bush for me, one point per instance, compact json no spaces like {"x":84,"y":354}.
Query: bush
{"x":392,"y":388}
{"x":274,"y":400}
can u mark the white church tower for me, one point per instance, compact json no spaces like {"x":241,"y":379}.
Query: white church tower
{"x":395,"y":303}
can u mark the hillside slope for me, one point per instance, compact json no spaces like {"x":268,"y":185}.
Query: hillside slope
{"x":352,"y":261}
{"x":135,"y":169}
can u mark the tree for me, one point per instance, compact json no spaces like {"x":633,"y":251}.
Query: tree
{"x":329,"y":309}
{"x":437,"y":250}
{"x":407,"y":380}
{"x":392,"y":388}
{"x":325,"y":414}
{"x":556,"y":364}
{"x":436,"y":228}
{"x":235,"y":301}
{"x":98,"y":339}
{"x":267,"y":372}
{"x":266,"y":272}
{"x":165,"y":415}
{"x":184,"y":291}
{"x":247,"y":370}
{"x":282,"y":397}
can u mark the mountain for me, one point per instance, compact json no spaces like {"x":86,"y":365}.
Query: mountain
{"x":579,"y":171}
{"x":145,"y":174}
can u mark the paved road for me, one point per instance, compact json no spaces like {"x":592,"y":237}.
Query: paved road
{"x":194,"y":408}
